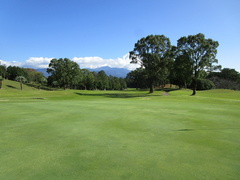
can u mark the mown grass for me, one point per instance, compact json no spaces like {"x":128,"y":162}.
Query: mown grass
{"x":119,"y":134}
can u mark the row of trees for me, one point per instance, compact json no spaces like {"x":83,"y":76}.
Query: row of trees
{"x":22,"y":75}
{"x":65,"y":73}
{"x":188,"y":62}
{"x":225,"y":79}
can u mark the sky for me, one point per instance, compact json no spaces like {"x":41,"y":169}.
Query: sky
{"x":98,"y":33}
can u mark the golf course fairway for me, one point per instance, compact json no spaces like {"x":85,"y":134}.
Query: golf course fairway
{"x":113,"y":135}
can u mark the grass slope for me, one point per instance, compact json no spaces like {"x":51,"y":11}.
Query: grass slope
{"x":119,"y":135}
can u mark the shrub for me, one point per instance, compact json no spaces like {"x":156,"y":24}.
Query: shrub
{"x":205,"y":84}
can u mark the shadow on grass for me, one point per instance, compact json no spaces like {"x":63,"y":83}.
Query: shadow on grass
{"x":42,"y":87}
{"x":207,"y":129}
{"x":170,"y":89}
{"x":117,"y":95}
{"x":11,"y":87}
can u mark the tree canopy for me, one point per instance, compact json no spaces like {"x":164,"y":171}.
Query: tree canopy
{"x":153,"y":53}
{"x":201,"y":52}
{"x":65,"y":72}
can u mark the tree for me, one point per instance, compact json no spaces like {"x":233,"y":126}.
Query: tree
{"x":1,"y":80}
{"x":21,"y":80}
{"x":153,"y":53}
{"x":88,"y":79}
{"x":34,"y":76}
{"x":123,"y":84}
{"x":102,"y":80}
{"x":181,"y":73}
{"x":202,"y":53}
{"x":14,"y":71}
{"x":3,"y":71}
{"x":137,"y":78}
{"x":230,"y":74}
{"x":66,"y":72}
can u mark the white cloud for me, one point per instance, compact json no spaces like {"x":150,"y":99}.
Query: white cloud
{"x":95,"y":62}
{"x":37,"y":62}
{"x":84,"y":62}
{"x":10,"y":63}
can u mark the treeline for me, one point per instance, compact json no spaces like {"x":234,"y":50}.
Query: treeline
{"x":64,"y":73}
{"x":190,"y":64}
{"x":22,"y":75}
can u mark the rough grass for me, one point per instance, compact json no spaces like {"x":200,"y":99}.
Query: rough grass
{"x":119,"y":134}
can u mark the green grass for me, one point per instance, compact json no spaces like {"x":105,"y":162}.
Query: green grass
{"x":119,"y":134}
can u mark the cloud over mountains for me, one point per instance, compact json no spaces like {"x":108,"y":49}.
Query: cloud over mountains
{"x":84,"y":62}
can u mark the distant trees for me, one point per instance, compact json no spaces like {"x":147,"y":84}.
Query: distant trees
{"x":66,"y":72}
{"x":3,"y":71}
{"x":153,"y":53}
{"x":15,"y":71}
{"x":88,"y":80}
{"x":137,"y":79}
{"x":225,"y":79}
{"x":1,"y":80}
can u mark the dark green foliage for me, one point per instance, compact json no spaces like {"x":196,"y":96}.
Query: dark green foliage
{"x":1,"y":80}
{"x":66,"y":72}
{"x":88,"y":79}
{"x":14,"y":71}
{"x":181,"y":73}
{"x":3,"y":71}
{"x":226,"y":79}
{"x":205,"y":84}
{"x":137,"y":79}
{"x":221,"y":83}
{"x":201,"y":52}
{"x":153,"y":53}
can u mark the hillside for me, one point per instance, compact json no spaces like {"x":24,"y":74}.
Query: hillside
{"x":9,"y":85}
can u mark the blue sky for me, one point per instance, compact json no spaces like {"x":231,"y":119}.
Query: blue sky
{"x":96,"y":33}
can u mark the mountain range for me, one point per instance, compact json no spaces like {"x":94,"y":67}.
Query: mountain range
{"x":117,"y":72}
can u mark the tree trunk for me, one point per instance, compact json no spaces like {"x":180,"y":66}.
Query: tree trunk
{"x":0,"y":84}
{"x":194,"y":87}
{"x":21,"y":85}
{"x":151,"y":88}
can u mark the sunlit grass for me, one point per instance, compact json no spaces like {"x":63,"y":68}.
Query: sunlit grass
{"x":119,"y":134}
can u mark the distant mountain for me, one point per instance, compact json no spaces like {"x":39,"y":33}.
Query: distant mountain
{"x":44,"y":71}
{"x":117,"y":72}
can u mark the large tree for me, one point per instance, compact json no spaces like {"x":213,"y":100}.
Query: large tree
{"x":65,"y":72}
{"x":1,"y":80}
{"x":201,"y":52}
{"x":153,"y":53}
{"x":181,"y":72}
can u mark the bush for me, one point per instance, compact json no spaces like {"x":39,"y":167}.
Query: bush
{"x":224,"y":83}
{"x":205,"y":84}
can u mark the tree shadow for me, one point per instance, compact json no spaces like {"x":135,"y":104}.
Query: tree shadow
{"x":208,"y":129}
{"x":10,"y":86}
{"x":170,"y":89}
{"x":116,"y":95}
{"x":41,"y":87}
